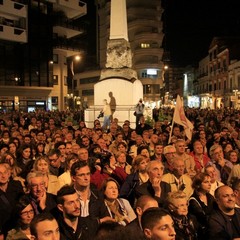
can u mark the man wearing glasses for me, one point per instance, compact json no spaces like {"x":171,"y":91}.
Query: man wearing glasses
{"x":56,"y":165}
{"x":91,"y":202}
{"x":40,"y":199}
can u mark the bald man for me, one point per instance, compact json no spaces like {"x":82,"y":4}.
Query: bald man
{"x":224,"y":222}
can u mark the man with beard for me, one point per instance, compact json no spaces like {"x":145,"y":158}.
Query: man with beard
{"x":72,"y":225}
{"x":224,"y":223}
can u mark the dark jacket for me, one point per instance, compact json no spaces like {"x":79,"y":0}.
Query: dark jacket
{"x":134,"y":230}
{"x":201,"y":211}
{"x":8,"y":201}
{"x":221,"y":226}
{"x":50,"y":203}
{"x":147,"y":189}
{"x":129,"y":186}
{"x":186,"y":229}
{"x":86,"y":229}
{"x":97,"y":207}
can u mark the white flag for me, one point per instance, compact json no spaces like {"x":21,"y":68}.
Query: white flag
{"x":180,"y":118}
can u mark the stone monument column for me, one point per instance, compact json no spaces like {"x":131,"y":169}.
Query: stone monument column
{"x":118,"y":20}
{"x":118,"y":82}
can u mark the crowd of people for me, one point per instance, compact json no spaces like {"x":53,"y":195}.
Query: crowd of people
{"x":62,"y":180}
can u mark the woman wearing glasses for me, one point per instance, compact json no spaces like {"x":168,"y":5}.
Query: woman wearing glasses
{"x":185,"y":225}
{"x":24,"y":214}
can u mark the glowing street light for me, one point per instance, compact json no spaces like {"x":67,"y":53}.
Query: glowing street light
{"x":235,"y":91}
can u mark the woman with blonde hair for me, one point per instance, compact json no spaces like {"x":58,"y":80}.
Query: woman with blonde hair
{"x":137,"y":177}
{"x":42,"y":164}
{"x":185,"y":224}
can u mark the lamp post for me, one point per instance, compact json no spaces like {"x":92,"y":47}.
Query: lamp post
{"x":76,"y":58}
{"x":164,"y":88}
{"x":235,"y":98}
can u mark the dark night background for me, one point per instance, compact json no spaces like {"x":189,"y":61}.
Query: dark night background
{"x":190,"y":26}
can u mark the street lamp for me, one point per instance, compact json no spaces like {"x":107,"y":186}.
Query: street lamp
{"x":235,"y":98}
{"x":77,"y":58}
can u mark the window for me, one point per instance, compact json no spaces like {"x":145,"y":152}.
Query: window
{"x":88,"y":92}
{"x":238,"y":81}
{"x":231,"y":83}
{"x":55,"y":58}
{"x":55,"y":79}
{"x":210,"y":87}
{"x":156,"y":88}
{"x":210,"y":56}
{"x":145,"y":45}
{"x":224,"y":65}
{"x":144,"y":74}
{"x":54,"y":100}
{"x":225,"y":84}
{"x":215,"y":53}
{"x":146,"y":89}
{"x":89,"y":80}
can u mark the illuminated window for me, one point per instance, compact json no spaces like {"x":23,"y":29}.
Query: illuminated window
{"x":55,"y":58}
{"x":55,"y":79}
{"x":145,"y":45}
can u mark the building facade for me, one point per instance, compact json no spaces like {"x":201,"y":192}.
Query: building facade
{"x":34,"y":45}
{"x":217,"y":84}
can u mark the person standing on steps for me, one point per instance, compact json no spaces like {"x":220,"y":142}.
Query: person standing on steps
{"x":139,"y":109}
{"x":107,"y":115}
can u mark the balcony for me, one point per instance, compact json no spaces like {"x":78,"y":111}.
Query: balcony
{"x":144,"y":22}
{"x":143,"y":36}
{"x":12,"y":33}
{"x":13,"y":8}
{"x":73,"y":9}
{"x":65,"y":28}
{"x":66,"y":45}
{"x":141,"y":52}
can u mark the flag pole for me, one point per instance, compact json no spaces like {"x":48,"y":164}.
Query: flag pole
{"x":170,"y":135}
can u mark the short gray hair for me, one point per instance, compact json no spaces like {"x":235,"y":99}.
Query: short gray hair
{"x":213,"y":148}
{"x":34,"y":174}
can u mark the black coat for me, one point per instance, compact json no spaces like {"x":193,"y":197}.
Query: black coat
{"x":221,"y":226}
{"x":201,"y":212}
{"x":50,"y":204}
{"x":147,"y":189}
{"x":8,"y":201}
{"x":86,"y":229}
{"x":97,"y":207}
{"x":128,"y":188}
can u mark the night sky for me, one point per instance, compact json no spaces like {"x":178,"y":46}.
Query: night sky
{"x":190,"y":26}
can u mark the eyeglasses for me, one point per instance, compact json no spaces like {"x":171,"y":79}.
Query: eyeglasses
{"x":40,"y":185}
{"x":26,"y":213}
{"x":53,"y":160}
